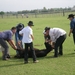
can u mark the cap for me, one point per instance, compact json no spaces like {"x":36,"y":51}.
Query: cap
{"x":46,"y":28}
{"x":30,"y":23}
{"x":20,"y":26}
{"x":71,"y":16}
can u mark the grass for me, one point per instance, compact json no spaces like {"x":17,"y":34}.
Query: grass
{"x":64,"y":65}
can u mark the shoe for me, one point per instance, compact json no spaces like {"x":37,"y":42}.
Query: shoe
{"x":60,"y":53}
{"x":55,"y":56}
{"x":8,"y":56}
{"x":5,"y":59}
{"x":25,"y":62}
{"x":17,"y":56}
{"x":35,"y":61}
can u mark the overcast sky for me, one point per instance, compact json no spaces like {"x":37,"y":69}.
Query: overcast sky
{"x":18,"y":5}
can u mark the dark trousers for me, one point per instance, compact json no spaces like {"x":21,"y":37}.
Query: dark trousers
{"x":5,"y":46}
{"x":58,"y":44}
{"x":29,"y":45}
{"x":74,"y":37}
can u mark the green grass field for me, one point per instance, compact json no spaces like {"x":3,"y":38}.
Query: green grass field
{"x":64,"y":65}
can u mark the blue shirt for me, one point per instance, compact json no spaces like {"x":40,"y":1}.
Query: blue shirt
{"x":18,"y":36}
{"x":6,"y":35}
{"x":72,"y":25}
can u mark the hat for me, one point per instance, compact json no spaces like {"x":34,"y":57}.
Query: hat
{"x":30,"y":23}
{"x":20,"y":26}
{"x":46,"y":28}
{"x":70,"y":16}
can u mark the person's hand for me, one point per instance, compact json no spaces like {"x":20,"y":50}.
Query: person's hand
{"x":19,"y":42}
{"x":69,"y":34}
{"x":15,"y":47}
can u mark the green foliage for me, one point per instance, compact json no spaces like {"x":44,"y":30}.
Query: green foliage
{"x":63,"y":65}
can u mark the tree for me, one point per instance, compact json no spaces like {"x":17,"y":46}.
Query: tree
{"x":2,"y":13}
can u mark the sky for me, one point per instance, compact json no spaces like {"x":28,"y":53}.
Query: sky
{"x":19,"y":5}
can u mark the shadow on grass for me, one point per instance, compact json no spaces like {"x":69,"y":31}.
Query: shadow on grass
{"x":69,"y":55}
{"x":41,"y":58}
{"x":11,"y":62}
{"x":64,"y":55}
{"x":9,"y":65}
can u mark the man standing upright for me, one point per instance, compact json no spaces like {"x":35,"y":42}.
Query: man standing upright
{"x":72,"y":26}
{"x":28,"y":41}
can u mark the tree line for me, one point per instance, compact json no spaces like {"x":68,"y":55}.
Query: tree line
{"x":39,"y":11}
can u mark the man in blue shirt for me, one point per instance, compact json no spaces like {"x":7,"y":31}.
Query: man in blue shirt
{"x":18,"y":38}
{"x":7,"y":36}
{"x":72,"y":26}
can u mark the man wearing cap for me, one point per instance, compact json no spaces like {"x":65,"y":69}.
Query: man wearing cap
{"x":7,"y":36}
{"x":18,"y":38}
{"x":57,"y":36}
{"x":47,"y":43}
{"x":28,"y":41}
{"x":72,"y":26}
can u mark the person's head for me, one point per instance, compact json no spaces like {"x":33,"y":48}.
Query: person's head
{"x":13,"y":29}
{"x":30,"y":23}
{"x":70,"y":16}
{"x":20,"y":26}
{"x":47,"y":30}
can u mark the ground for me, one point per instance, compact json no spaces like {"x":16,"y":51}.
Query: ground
{"x":63,"y":65}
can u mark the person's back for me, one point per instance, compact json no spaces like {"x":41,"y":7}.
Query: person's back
{"x":26,"y":34}
{"x":6,"y":35}
{"x":55,"y":33}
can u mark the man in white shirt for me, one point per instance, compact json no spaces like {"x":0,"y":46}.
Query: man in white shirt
{"x":28,"y":38}
{"x":57,"y":36}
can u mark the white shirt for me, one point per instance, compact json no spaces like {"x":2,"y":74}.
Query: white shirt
{"x":27,"y":32}
{"x":55,"y":33}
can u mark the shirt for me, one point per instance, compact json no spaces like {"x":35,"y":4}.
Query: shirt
{"x":6,"y":35}
{"x":72,"y":25}
{"x":55,"y":33}
{"x":18,"y":36}
{"x":27,"y":32}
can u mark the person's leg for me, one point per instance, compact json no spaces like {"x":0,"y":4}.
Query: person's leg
{"x":61,"y":50}
{"x":26,"y":53}
{"x":5,"y":46}
{"x":33,"y":52}
{"x":74,"y":37}
{"x":17,"y":53}
{"x":59,"y":43}
{"x":56,"y":48}
{"x":62,"y":39}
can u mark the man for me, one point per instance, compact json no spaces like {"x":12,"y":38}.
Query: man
{"x":47,"y":38}
{"x":28,"y":41}
{"x":18,"y":37}
{"x":72,"y":26}
{"x":7,"y":36}
{"x":57,"y":36}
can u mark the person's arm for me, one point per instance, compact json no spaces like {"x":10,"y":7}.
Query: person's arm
{"x":70,"y":32}
{"x":21,"y":32}
{"x":17,"y":38}
{"x":32,"y":37}
{"x":71,"y":27}
{"x":12,"y":44}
